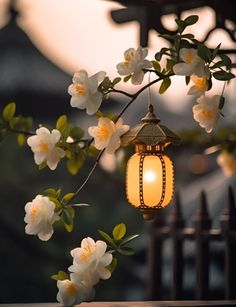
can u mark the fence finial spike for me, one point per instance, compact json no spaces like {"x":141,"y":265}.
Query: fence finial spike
{"x":203,"y":204}
{"x":175,"y":218}
{"x":201,"y":218}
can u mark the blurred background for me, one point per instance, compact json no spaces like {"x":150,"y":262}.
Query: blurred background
{"x":42,"y":44}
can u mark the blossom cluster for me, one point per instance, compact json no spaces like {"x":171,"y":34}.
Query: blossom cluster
{"x":206,"y":112}
{"x":90,"y":262}
{"x":87,"y":92}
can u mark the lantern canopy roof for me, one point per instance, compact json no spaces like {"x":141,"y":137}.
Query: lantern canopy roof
{"x":150,"y":132}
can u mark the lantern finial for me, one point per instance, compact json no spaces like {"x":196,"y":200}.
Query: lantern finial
{"x":150,"y":117}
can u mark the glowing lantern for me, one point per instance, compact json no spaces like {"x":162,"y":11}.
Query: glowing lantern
{"x":149,"y":173}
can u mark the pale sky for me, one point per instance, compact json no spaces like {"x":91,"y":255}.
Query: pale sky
{"x":79,"y":34}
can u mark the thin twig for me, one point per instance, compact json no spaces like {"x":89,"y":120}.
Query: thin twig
{"x":223,"y":89}
{"x":30,"y":133}
{"x":120,"y":92}
{"x":90,"y":173}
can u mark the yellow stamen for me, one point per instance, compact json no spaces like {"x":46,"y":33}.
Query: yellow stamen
{"x":103,"y":132}
{"x":87,"y":252}
{"x":200,"y":82}
{"x":80,"y":90}
{"x":71,"y":289}
{"x":43,"y":147}
{"x":207,"y":114}
{"x":189,"y":58}
{"x":34,"y":211}
{"x":128,"y":58}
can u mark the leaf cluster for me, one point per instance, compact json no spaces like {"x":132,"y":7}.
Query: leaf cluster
{"x":10,"y":123}
{"x":106,"y":85}
{"x":117,"y":241}
{"x":64,"y":207}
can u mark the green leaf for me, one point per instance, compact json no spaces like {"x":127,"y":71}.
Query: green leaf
{"x":164,"y":85}
{"x":99,"y":114}
{"x":204,"y":53}
{"x":128,"y":239}
{"x":21,"y":139}
{"x":217,"y":65}
{"x":56,"y":202}
{"x":76,"y":133}
{"x":116,"y":80}
{"x":126,"y":78}
{"x":184,"y":44}
{"x":167,"y":36}
{"x":9,"y":111}
{"x":92,"y":151}
{"x":223,"y":75}
{"x":159,"y":54}
{"x":181,"y":25}
{"x":226,"y":60}
{"x":156,"y":66}
{"x":105,"y":84}
{"x":66,"y":198}
{"x":191,"y":20}
{"x":188,"y":35}
{"x":58,"y":193}
{"x":62,"y":123}
{"x":50,"y":192}
{"x":111,"y":267}
{"x":126,"y":251}
{"x":69,"y":227}
{"x":195,"y":41}
{"x":61,"y":275}
{"x":169,"y":64}
{"x":67,"y":218}
{"x":75,"y":164}
{"x":215,"y":51}
{"x":119,"y":231}
{"x":221,"y":102}
{"x":107,"y":238}
{"x":42,"y":166}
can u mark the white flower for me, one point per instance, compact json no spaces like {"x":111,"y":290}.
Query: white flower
{"x":192,"y":64}
{"x":227,"y":162}
{"x":200,"y":86}
{"x":40,"y":215}
{"x":134,"y":64}
{"x":43,"y":144}
{"x":84,"y":91}
{"x":74,"y":291}
{"x":107,"y":134}
{"x":206,"y":112}
{"x":90,"y":261}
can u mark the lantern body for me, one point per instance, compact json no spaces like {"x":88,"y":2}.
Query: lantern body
{"x":149,"y":180}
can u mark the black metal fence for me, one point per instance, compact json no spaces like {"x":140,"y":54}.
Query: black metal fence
{"x":202,"y":234}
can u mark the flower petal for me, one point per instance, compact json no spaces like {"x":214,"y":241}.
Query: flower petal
{"x":137,"y":77}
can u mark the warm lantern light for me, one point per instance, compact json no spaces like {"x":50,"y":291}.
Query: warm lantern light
{"x":149,"y":173}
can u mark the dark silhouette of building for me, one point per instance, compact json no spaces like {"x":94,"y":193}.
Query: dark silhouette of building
{"x":27,"y":77}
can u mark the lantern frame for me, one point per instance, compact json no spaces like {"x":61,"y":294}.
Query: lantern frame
{"x":150,"y":139}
